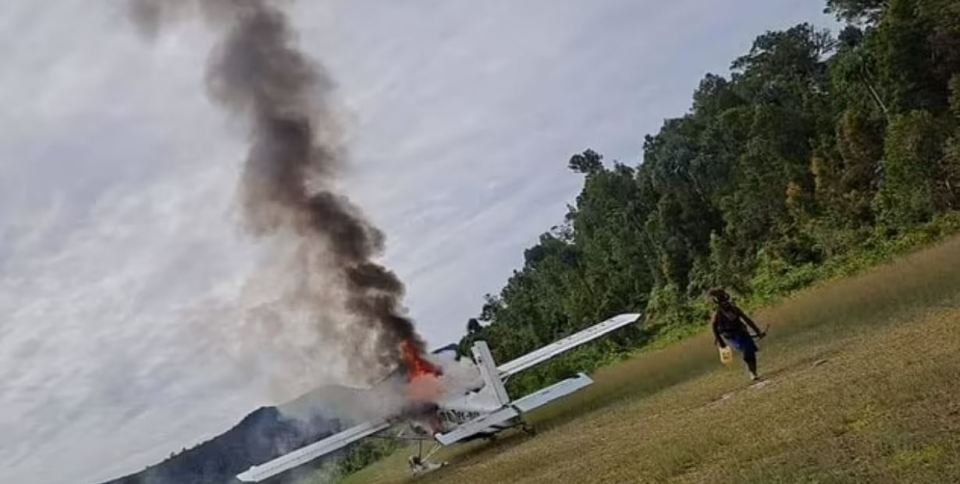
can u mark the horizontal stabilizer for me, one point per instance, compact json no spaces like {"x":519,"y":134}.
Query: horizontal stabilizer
{"x":553,"y":392}
{"x":310,"y":452}
{"x":489,"y":422}
{"x":562,"y":345}
{"x":478,"y":425}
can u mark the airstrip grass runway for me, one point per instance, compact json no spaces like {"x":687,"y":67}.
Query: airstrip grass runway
{"x":862,"y":385}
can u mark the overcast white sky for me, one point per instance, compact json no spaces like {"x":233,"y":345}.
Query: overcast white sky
{"x":123,"y":275}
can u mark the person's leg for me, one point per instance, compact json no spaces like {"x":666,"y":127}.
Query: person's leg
{"x":750,"y":358}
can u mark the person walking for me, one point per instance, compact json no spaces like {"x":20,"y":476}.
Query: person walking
{"x":730,"y":327}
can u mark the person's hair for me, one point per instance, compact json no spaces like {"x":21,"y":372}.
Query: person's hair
{"x":718,"y":294}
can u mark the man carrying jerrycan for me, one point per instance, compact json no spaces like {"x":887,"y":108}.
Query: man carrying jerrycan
{"x":730,"y":327}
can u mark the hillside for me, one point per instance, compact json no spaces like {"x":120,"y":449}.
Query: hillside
{"x":818,"y":154}
{"x":262,"y":435}
{"x":861,"y":387}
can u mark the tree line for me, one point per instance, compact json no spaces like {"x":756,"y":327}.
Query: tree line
{"x":815,"y":151}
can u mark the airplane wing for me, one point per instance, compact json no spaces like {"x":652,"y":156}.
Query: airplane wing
{"x":309,"y":452}
{"x":562,"y":345}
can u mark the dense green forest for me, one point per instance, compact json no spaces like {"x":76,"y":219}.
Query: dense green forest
{"x":817,"y":155}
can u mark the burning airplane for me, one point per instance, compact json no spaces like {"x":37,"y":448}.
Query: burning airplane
{"x":447,"y":407}
{"x":288,"y":192}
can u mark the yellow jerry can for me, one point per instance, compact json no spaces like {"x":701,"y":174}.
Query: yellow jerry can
{"x":726,"y":355}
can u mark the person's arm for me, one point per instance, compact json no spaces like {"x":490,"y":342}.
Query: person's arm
{"x":746,"y":319}
{"x":716,"y":333}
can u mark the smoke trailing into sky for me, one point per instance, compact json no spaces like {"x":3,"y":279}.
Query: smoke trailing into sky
{"x":287,"y":187}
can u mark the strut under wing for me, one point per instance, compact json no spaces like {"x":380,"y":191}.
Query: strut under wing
{"x":565,"y":344}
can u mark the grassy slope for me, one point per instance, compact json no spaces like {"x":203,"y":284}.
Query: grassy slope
{"x":863,"y":386}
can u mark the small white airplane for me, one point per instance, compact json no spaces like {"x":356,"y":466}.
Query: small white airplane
{"x":478,"y":409}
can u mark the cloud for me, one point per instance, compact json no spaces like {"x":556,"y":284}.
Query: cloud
{"x":129,"y":327}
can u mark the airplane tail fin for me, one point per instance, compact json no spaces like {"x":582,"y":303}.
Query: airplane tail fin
{"x":488,"y":371}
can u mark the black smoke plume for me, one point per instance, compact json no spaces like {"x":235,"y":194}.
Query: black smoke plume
{"x":257,"y":72}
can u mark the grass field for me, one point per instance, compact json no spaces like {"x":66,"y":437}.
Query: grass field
{"x":863,"y":385}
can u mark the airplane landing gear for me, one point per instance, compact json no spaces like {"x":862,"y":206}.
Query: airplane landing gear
{"x":421,"y":464}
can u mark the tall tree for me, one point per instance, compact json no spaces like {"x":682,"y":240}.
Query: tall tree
{"x":914,"y":145}
{"x":905,"y":59}
{"x":857,"y":11}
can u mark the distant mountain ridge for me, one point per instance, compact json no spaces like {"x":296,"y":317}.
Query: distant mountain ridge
{"x":270,"y":432}
{"x":262,"y":435}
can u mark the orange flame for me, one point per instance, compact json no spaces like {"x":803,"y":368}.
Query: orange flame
{"x":417,"y":365}
{"x":423,"y":375}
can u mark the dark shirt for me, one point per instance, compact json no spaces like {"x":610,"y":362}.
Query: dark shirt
{"x":728,"y":321}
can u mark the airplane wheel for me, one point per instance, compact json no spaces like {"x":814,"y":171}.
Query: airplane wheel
{"x":528,"y":429}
